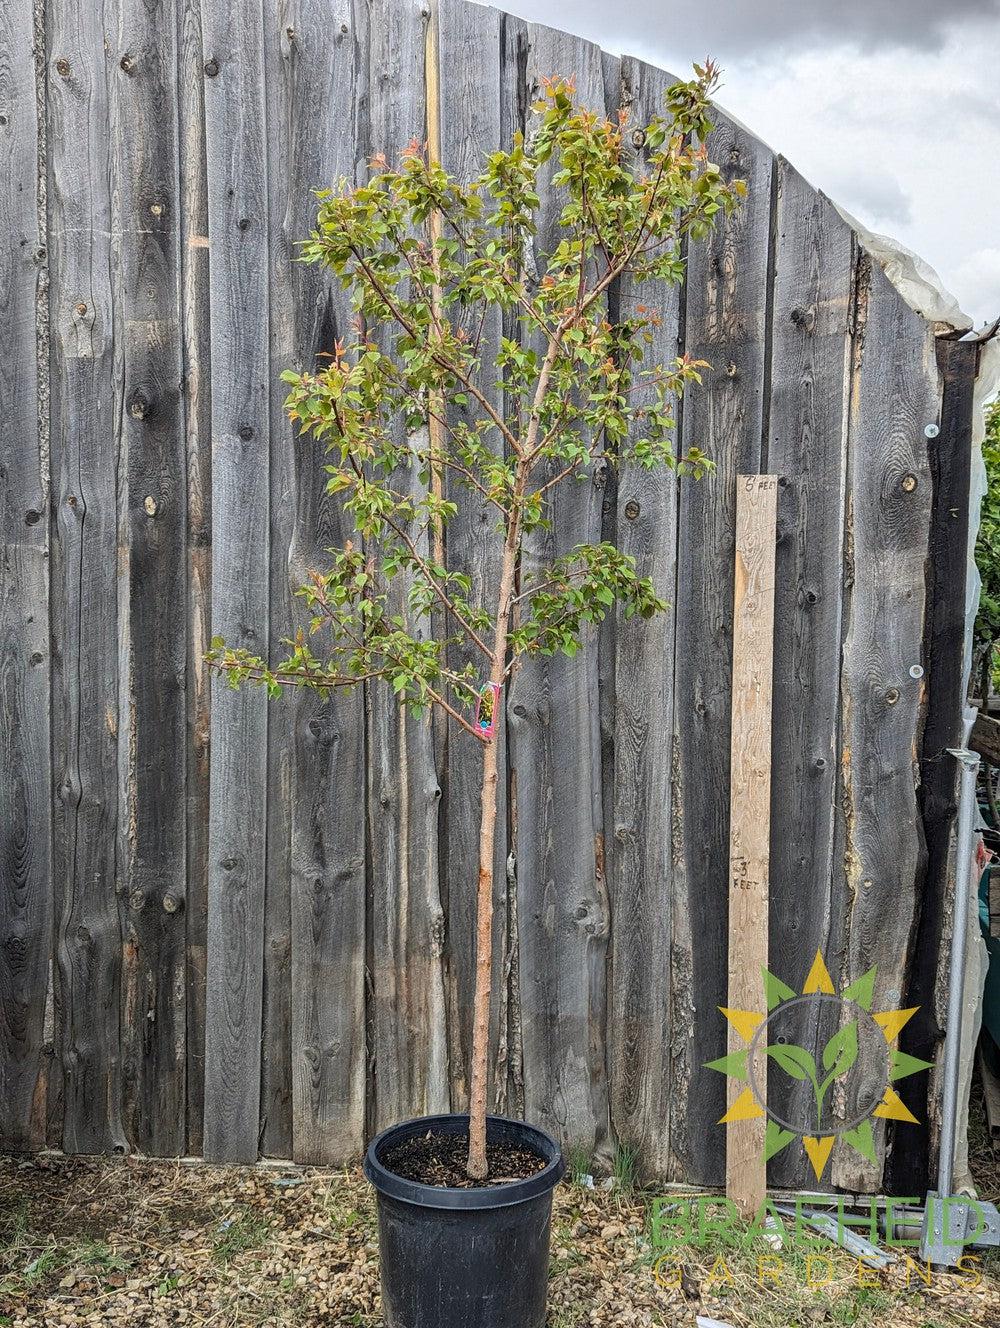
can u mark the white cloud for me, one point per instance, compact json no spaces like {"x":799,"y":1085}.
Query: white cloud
{"x":890,"y":108}
{"x":979,"y":276}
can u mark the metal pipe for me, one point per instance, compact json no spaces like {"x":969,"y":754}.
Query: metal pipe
{"x":969,"y":763}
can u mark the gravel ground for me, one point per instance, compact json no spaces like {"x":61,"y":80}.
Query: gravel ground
{"x":151,"y":1244}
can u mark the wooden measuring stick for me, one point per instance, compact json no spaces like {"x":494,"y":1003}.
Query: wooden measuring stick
{"x":750,"y":811}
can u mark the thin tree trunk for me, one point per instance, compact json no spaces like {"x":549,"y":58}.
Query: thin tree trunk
{"x":477,"y":1168}
{"x":484,"y":967}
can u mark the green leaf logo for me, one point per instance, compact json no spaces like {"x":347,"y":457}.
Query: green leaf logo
{"x":840,"y":1052}
{"x":794,"y":1060}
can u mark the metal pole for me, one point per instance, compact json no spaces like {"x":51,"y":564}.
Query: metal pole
{"x":969,"y":763}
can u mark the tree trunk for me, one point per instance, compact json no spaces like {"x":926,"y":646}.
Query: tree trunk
{"x":484,"y":966}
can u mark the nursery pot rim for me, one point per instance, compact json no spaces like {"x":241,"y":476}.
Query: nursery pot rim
{"x":473,"y":1197}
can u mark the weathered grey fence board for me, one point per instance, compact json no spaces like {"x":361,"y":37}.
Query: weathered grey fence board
{"x":85,"y":406}
{"x":514,"y":43}
{"x":25,"y":771}
{"x":322,"y":784}
{"x":807,"y":449}
{"x":725,"y":312}
{"x":238,"y":226}
{"x":286,"y":49}
{"x":895,"y":394}
{"x":639,"y":1019}
{"x":555,"y":752}
{"x":410,"y":1030}
{"x":152,"y":721}
{"x":193,"y":205}
{"x":469,"y":59}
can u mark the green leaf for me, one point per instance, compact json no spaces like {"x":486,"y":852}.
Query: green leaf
{"x":775,"y":991}
{"x":862,"y":1139}
{"x":902,"y":1065}
{"x":775,"y":1139}
{"x":795,"y":1061}
{"x":734,"y":1065}
{"x":841,"y":1051}
{"x":863,"y":990}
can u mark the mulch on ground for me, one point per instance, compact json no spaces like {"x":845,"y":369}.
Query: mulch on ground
{"x":151,"y":1244}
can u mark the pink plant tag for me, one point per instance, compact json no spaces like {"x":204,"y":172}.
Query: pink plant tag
{"x":486,"y":709}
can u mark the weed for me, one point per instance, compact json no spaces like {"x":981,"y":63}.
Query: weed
{"x":238,"y":1235}
{"x":577,"y":1163}
{"x":626,"y":1168}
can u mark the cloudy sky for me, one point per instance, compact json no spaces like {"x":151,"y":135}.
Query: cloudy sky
{"x":892,"y":107}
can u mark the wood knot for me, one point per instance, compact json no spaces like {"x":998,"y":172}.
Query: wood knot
{"x":126,"y":64}
{"x":211,"y":67}
{"x":62,"y":67}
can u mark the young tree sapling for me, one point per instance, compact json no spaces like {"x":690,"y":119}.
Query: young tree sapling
{"x":412,"y":395}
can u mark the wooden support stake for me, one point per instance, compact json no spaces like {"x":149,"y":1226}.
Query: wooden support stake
{"x":750,"y":813}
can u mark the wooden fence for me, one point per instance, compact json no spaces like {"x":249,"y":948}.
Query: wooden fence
{"x":232,"y":928}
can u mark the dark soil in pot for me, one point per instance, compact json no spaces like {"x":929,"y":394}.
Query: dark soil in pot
{"x":439,"y":1159}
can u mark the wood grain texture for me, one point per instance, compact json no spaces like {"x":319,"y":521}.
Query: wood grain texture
{"x":236,"y":157}
{"x":25,"y":769}
{"x":642,"y":904}
{"x":407,"y":921}
{"x":153,"y":591}
{"x":945,"y":662}
{"x":555,"y":742}
{"x":807,"y":449}
{"x":726,"y":323}
{"x":514,"y":46}
{"x":86,"y":401}
{"x":196,"y":330}
{"x":469,"y":58}
{"x":750,"y":809}
{"x":316,"y":838}
{"x":895,"y":394}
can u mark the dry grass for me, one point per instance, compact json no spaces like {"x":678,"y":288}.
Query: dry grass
{"x":155,"y":1244}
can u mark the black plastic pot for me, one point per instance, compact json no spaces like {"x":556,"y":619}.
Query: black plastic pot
{"x":475,"y":1258}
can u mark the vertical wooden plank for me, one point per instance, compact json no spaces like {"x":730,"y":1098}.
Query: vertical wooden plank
{"x":407,"y":921}
{"x":85,"y":702}
{"x":750,"y":807}
{"x":807,"y":448}
{"x":514,"y":44}
{"x":945,"y":661}
{"x":639,"y":1033}
{"x":25,"y":770}
{"x":198,"y":445}
{"x":152,"y":590}
{"x":469,"y":59}
{"x":725,"y":324}
{"x":238,"y":225}
{"x":895,"y":394}
{"x":316,"y":836}
{"x":555,"y":748}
